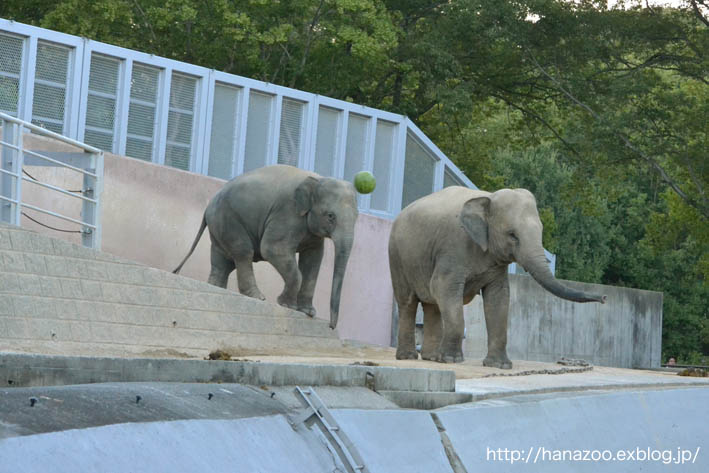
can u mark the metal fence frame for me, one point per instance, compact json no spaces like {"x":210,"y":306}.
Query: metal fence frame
{"x":13,"y":158}
{"x":77,"y":97}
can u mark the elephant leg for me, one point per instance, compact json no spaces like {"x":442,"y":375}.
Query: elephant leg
{"x":431,"y":332}
{"x":449,"y":295}
{"x":496,"y":303}
{"x":221,"y":267}
{"x":245,"y":278}
{"x":309,"y":265}
{"x":406,"y":346}
{"x":285,"y":264}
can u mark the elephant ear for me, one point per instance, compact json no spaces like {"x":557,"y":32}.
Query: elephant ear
{"x":474,"y":220}
{"x":305,"y":195}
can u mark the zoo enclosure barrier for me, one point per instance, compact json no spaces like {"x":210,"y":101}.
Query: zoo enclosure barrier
{"x":209,"y":122}
{"x":14,"y":157}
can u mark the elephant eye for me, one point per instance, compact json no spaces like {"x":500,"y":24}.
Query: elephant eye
{"x":514,"y":237}
{"x":330,"y":216}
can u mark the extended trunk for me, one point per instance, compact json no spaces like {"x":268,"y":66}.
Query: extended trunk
{"x":343,"y":246}
{"x":539,"y":270}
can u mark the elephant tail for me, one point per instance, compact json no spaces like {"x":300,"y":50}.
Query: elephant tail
{"x":194,"y":244}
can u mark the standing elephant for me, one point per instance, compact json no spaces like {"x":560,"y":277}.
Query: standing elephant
{"x":272,"y":213}
{"x":447,"y":247}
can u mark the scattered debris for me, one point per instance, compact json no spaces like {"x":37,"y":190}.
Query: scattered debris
{"x":210,"y":396}
{"x":137,"y":399}
{"x":365,"y":363}
{"x":694,"y":372}
{"x":219,"y":355}
{"x":573,"y":362}
{"x":580,"y":369}
{"x":33,"y":401}
{"x":263,"y":387}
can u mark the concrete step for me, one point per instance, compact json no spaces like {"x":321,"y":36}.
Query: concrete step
{"x":22,"y":370}
{"x":61,"y":298}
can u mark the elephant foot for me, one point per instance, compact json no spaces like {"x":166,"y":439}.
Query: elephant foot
{"x":407,"y":355}
{"x":255,"y":293}
{"x":430,"y":356}
{"x":308,"y":310}
{"x":450,"y":358}
{"x":285,"y":302}
{"x":493,"y":362}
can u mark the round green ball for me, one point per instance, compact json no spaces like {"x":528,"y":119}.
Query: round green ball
{"x":364,"y":182}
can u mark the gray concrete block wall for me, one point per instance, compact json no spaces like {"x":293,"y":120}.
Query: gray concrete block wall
{"x":61,"y":298}
{"x":624,"y":332}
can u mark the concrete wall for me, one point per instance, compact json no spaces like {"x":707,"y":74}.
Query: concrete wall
{"x":625,"y":332}
{"x":151,"y":214}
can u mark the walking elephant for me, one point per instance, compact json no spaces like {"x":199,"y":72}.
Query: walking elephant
{"x":272,"y":213}
{"x":447,"y":247}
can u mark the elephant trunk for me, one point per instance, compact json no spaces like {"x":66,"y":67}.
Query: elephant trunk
{"x":538,"y":268}
{"x":343,"y":247}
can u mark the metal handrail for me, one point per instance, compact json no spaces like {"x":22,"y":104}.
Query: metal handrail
{"x":49,"y":133}
{"x":12,"y":160}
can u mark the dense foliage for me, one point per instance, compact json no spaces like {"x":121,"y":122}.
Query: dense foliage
{"x":602,"y":112}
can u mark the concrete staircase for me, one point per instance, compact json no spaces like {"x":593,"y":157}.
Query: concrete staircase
{"x":58,"y":298}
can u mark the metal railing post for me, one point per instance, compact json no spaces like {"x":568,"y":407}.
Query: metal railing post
{"x":17,"y":168}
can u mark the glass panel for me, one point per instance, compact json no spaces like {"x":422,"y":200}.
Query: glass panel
{"x":48,"y":103}
{"x":99,"y":139}
{"x":182,"y":92}
{"x":356,"y":146}
{"x":291,"y":132}
{"x":180,"y":121}
{"x":177,"y":156}
{"x":103,"y":76}
{"x":101,"y":102}
{"x":141,"y":111}
{"x":449,"y":179}
{"x":383,"y":158}
{"x":257,"y":131}
{"x":326,"y":142}
{"x":10,"y":69}
{"x":144,"y":83}
{"x":139,"y":148}
{"x":222,"y":149}
{"x":419,"y":172}
{"x":9,"y":95}
{"x":52,"y":63}
{"x":51,"y":76}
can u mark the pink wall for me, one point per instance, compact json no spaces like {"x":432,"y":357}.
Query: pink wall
{"x":151,"y":214}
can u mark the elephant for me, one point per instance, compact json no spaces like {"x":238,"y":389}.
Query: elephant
{"x":272,"y":213}
{"x":447,"y":247}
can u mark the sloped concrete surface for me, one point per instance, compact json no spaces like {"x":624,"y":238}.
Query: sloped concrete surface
{"x":259,"y":444}
{"x":26,"y":411}
{"x":531,"y":433}
{"x":395,"y":441}
{"x":29,"y":411}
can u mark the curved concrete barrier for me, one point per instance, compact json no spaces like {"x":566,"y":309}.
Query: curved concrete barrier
{"x":654,"y":430}
{"x":661,"y":430}
{"x":264,"y":444}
